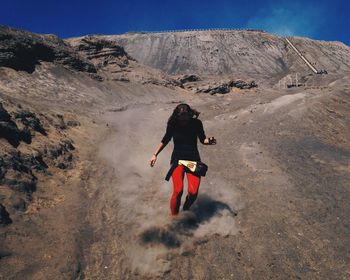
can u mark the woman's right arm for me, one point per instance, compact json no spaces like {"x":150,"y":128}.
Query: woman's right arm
{"x":154,"y":156}
{"x":163,"y":143}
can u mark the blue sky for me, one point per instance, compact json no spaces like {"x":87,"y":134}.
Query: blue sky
{"x":324,"y":20}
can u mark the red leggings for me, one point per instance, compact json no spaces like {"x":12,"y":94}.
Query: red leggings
{"x":193,"y":186}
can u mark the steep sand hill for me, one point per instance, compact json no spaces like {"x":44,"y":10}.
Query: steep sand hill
{"x":80,"y":201}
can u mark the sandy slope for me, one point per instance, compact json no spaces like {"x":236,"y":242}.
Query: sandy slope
{"x":273,"y":203}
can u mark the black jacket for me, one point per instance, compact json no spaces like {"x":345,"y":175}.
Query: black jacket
{"x":185,"y":141}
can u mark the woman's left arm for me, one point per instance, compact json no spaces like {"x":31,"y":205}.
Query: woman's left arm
{"x":202,"y":137}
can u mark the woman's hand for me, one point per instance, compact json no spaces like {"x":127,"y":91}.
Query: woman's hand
{"x":210,"y":141}
{"x":152,"y":162}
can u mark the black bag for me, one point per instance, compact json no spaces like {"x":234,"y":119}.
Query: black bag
{"x":200,"y":169}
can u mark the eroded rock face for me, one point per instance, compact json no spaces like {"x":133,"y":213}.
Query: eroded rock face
{"x":115,"y":64}
{"x":95,"y":48}
{"x":24,"y":50}
{"x":103,"y":52}
{"x":21,"y":167}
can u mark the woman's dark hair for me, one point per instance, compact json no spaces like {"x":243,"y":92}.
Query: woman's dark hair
{"x":180,"y":110}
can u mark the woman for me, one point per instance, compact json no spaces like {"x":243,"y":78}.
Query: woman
{"x":184,"y":127}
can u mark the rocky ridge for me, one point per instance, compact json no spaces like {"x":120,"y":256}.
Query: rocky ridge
{"x":23,"y":50}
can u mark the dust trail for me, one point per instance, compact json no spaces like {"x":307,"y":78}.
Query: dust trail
{"x":141,"y":196}
{"x":217,"y":208}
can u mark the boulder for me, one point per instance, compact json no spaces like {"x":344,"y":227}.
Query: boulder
{"x":242,"y":84}
{"x":223,"y":87}
{"x":4,"y":216}
{"x":189,"y":78}
{"x":21,"y":182}
{"x":4,"y":115}
{"x":10,"y":132}
{"x":16,"y":172}
{"x":18,"y":203}
{"x":29,"y":119}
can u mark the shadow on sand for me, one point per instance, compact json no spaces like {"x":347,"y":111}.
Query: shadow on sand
{"x":158,"y":235}
{"x":204,"y":209}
